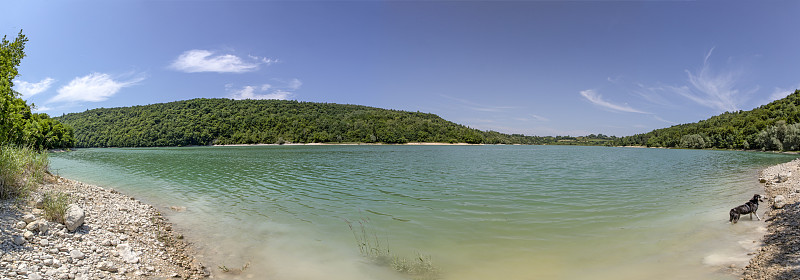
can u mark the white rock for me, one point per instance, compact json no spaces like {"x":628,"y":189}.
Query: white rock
{"x":74,"y":216}
{"x":28,"y":235}
{"x":20,"y":225}
{"x":75,"y":254}
{"x":19,"y":240}
{"x":35,"y":276}
{"x":107,"y":266}
{"x":27,"y":218}
{"x":44,"y":242}
{"x":127,"y":254}
{"x":779,"y":202}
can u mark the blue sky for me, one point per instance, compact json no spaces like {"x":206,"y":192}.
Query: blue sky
{"x":536,"y":68}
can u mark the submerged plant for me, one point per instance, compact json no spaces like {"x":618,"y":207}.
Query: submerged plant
{"x":370,"y":247}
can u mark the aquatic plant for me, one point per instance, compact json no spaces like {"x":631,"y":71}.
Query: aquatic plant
{"x":371,"y":247}
{"x":55,"y":206}
{"x":21,"y":169}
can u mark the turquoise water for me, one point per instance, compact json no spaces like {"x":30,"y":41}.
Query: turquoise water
{"x":479,"y":212}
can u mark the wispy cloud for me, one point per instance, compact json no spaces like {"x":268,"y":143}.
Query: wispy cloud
{"x":539,"y":118}
{"x":597,"y":99}
{"x":193,"y":61}
{"x":716,"y":90}
{"x":28,"y":89}
{"x":264,"y":91}
{"x":94,"y":87}
{"x":663,"y":120}
{"x":780,"y":93}
{"x":477,"y":107}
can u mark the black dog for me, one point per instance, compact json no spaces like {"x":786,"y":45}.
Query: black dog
{"x":748,"y":208}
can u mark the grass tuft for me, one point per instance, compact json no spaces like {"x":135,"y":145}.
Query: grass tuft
{"x":55,"y":206}
{"x":21,"y":170}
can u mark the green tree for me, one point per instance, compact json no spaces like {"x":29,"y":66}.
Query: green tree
{"x":17,"y":124}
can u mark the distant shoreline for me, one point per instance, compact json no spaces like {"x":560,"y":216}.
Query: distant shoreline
{"x":353,"y":144}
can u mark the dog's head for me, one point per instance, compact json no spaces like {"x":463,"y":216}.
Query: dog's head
{"x":757,"y":197}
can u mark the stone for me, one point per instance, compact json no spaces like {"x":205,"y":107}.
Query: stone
{"x":32,"y":226}
{"x":28,"y":218}
{"x":778,"y":202}
{"x":107,"y":266}
{"x":74,"y":216}
{"x":75,"y":254}
{"x":39,"y":203}
{"x":20,"y":225}
{"x":28,"y":235}
{"x":19,"y":240}
{"x":127,"y":254}
{"x":44,"y":242}
{"x":35,"y":276}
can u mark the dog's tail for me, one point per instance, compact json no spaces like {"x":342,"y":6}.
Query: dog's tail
{"x":734,"y":216}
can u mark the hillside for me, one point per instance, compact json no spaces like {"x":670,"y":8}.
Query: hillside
{"x":775,"y":126}
{"x":226,"y":121}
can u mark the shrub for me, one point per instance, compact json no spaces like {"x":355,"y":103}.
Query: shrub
{"x":55,"y":206}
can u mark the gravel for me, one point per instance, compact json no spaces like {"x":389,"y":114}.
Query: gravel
{"x":779,"y":258}
{"x":120,"y":238}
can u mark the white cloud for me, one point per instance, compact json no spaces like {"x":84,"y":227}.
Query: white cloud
{"x":193,"y":61}
{"x":597,"y":99}
{"x":30,"y":89}
{"x":265,"y":91}
{"x":714,"y":90}
{"x":94,"y":87}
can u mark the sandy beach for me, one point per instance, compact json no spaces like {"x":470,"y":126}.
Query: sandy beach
{"x":779,"y":257}
{"x":120,"y":238}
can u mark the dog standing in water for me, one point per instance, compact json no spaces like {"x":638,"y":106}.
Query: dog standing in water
{"x":748,"y":208}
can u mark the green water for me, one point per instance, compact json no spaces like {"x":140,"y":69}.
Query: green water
{"x":479,"y":212}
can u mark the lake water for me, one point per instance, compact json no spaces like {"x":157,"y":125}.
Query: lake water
{"x":477,"y":212}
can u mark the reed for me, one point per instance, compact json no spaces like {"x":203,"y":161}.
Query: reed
{"x":370,"y":246}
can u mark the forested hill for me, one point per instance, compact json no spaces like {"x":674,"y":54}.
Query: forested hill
{"x":226,"y":121}
{"x":775,"y":126}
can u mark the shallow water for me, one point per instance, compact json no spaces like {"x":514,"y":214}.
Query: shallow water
{"x":479,"y":212}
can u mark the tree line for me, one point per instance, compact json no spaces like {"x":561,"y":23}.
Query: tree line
{"x":225,"y":121}
{"x":771,"y":127}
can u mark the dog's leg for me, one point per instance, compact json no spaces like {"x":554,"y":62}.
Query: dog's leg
{"x":759,"y":218}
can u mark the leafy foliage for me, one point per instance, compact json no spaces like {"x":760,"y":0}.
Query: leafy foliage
{"x":18,"y":125}
{"x":226,"y":121}
{"x":774,"y":126}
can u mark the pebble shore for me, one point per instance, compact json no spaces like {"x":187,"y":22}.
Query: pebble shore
{"x":120,"y":238}
{"x":779,"y":257}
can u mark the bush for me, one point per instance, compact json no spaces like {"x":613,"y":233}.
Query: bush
{"x":21,"y":169}
{"x":55,"y":206}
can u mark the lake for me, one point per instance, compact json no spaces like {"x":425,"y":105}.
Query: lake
{"x":472,"y":212}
